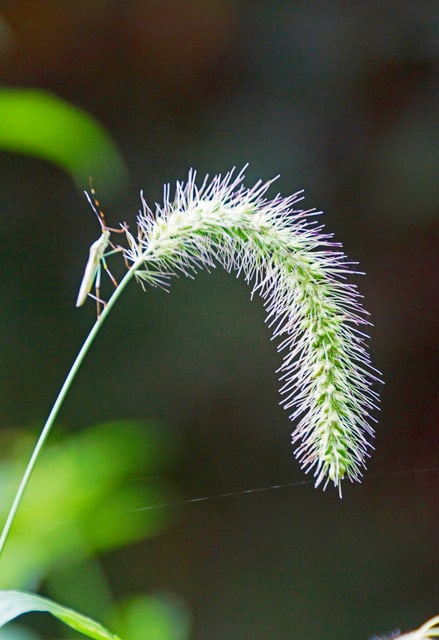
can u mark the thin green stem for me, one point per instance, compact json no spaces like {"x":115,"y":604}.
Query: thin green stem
{"x":57,"y":406}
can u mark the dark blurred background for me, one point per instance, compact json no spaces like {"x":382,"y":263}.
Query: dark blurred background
{"x":341,"y":100}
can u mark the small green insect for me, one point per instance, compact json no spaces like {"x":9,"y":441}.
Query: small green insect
{"x":96,"y":258}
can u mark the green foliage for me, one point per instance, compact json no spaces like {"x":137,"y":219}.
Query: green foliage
{"x":17,"y":603}
{"x":78,"y":491}
{"x":39,"y":124}
{"x":157,"y":617}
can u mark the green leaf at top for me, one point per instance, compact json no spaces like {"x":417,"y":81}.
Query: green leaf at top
{"x":42,"y":125}
{"x":16,"y":603}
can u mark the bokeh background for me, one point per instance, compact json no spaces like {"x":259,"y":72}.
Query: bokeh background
{"x":339,"y":99}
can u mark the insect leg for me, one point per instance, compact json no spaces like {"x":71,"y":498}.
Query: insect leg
{"x":110,"y":275}
{"x":97,"y":289}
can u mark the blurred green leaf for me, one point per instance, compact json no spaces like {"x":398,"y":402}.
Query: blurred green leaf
{"x":16,"y":603}
{"x":158,"y":617}
{"x":88,"y":494}
{"x":39,"y":124}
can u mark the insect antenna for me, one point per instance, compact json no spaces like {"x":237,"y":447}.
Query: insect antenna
{"x":96,"y":205}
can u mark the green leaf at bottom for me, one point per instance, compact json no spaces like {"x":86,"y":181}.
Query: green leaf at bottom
{"x":16,"y":603}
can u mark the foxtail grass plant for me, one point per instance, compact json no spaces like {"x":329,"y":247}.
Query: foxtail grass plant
{"x":315,"y":313}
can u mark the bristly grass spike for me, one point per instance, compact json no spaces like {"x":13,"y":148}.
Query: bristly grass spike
{"x":328,"y":380}
{"x":97,"y":254}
